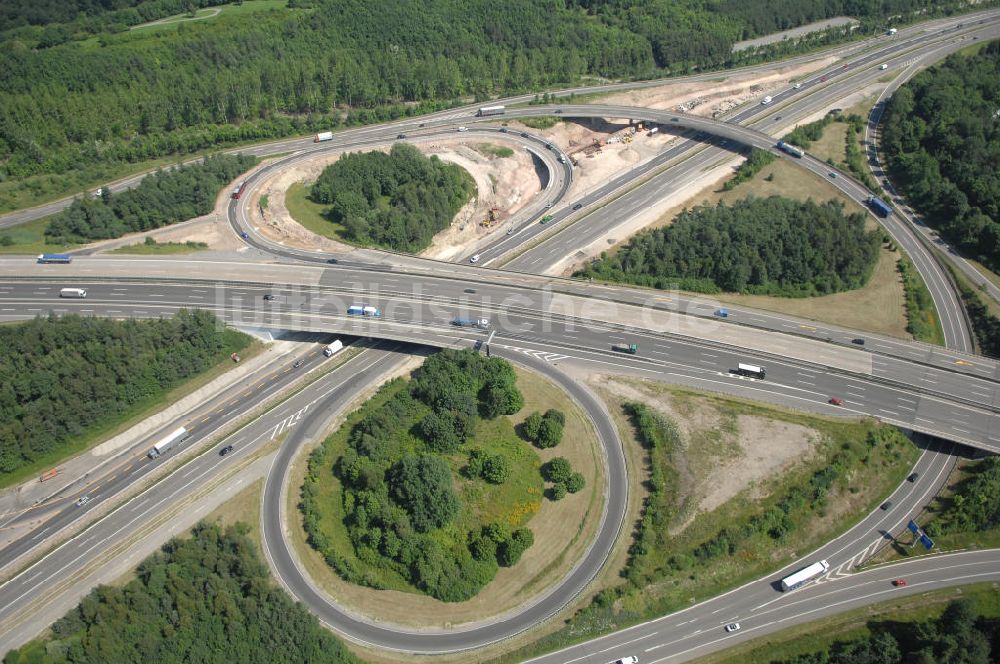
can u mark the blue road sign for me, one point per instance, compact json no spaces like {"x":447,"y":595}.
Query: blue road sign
{"x":914,"y":528}
{"x":927,"y":542}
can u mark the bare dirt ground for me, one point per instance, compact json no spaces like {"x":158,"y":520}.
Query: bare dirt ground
{"x":725,"y":454}
{"x":507,"y":183}
{"x":711,"y":98}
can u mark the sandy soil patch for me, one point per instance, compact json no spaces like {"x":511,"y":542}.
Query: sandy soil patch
{"x":713,"y":98}
{"x":563,"y":531}
{"x":725,"y":453}
{"x":507,"y":183}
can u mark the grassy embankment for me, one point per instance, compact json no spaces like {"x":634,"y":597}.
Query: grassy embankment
{"x":684,"y":553}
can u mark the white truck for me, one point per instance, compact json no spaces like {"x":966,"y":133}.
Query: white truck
{"x":168,"y":442}
{"x":73,"y":292}
{"x":323,"y":136}
{"x":793,"y":581}
{"x":333,"y":348}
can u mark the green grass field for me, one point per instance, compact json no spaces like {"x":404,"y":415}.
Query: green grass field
{"x":309,"y":214}
{"x":29,"y":238}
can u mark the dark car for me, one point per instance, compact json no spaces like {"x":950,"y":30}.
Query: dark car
{"x":298,"y":363}
{"x":886,"y":505}
{"x":912,"y":477}
{"x":578,"y":206}
{"x":524,"y":134}
{"x":401,"y":136}
{"x":470,"y":290}
{"x":331,"y":261}
{"x":503,"y":130}
{"x":269,"y":297}
{"x":558,"y":110}
{"x":421,"y":124}
{"x":225,"y":450}
{"x":858,"y":342}
{"x":245,"y":235}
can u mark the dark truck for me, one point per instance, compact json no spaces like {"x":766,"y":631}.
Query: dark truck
{"x":481,"y":323}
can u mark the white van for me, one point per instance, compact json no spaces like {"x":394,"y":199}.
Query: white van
{"x":73,"y":292}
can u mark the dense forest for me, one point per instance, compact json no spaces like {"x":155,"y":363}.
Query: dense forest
{"x":941,"y":136}
{"x":163,"y":198}
{"x":62,"y":376}
{"x":400,"y":498}
{"x":207,"y":599}
{"x":959,"y":636}
{"x":81,"y":92}
{"x":772,"y":246}
{"x":397,"y":200}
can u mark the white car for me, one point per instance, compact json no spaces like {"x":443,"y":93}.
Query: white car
{"x":631,"y":659}
{"x":463,"y":129}
{"x":797,"y":86}
{"x":83,"y":501}
{"x":474,"y":259}
{"x":733,"y":627}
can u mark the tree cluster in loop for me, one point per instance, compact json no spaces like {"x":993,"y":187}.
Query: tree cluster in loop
{"x":397,"y":200}
{"x":399,"y":489}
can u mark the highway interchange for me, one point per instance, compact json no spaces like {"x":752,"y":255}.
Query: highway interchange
{"x":544,"y":322}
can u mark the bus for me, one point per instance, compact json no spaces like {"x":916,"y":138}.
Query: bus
{"x":491,"y":110}
{"x":793,"y":581}
{"x":168,"y":442}
{"x":751,"y":371}
{"x":55,"y":258}
{"x":73,"y":292}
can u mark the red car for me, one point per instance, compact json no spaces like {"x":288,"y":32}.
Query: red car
{"x":822,"y":78}
{"x":836,"y":402}
{"x":899,"y":582}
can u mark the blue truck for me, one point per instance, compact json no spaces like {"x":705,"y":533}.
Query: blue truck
{"x":55,"y":258}
{"x":359,"y":310}
{"x":879,"y":206}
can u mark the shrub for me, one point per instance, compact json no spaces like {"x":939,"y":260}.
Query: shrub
{"x":558,"y":470}
{"x":575,"y":482}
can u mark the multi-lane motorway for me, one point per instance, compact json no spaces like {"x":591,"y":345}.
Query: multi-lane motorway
{"x":547,"y":322}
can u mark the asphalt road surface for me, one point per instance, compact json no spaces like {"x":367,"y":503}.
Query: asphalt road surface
{"x":911,"y":394}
